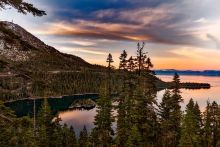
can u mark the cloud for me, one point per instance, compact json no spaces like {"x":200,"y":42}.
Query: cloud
{"x":215,"y":40}
{"x":159,"y":21}
{"x":113,"y":25}
{"x":201,"y":20}
{"x":82,"y":50}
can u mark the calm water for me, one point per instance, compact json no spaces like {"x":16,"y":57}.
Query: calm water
{"x":201,"y":95}
{"x":79,"y":118}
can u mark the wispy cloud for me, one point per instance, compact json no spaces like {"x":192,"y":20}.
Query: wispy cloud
{"x":215,"y":40}
{"x":95,"y":27}
{"x":82,"y":50}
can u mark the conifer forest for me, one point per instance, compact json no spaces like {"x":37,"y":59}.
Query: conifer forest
{"x":129,"y":112}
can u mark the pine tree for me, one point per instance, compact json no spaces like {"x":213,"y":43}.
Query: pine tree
{"x":102,"y":133}
{"x":73,"y":139}
{"x":22,"y":133}
{"x":134,"y":139}
{"x":122,"y":118}
{"x":207,"y":136}
{"x":191,"y":127}
{"x":131,"y":64}
{"x":83,"y":138}
{"x":166,"y":125}
{"x":176,"y":108}
{"x":123,"y":60}
{"x":109,"y":61}
{"x":140,"y":57}
{"x":212,"y":125}
{"x":122,"y":121}
{"x":149,"y":64}
{"x":69,"y":138}
{"x":146,"y":117}
{"x":143,"y":62}
{"x":170,"y":115}
{"x":22,"y":7}
{"x":44,"y":124}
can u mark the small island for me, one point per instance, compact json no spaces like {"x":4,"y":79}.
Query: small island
{"x":85,"y":104}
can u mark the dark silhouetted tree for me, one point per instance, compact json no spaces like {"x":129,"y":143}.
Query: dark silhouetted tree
{"x":22,"y":7}
{"x":83,"y":138}
{"x":143,"y":62}
{"x":109,"y":61}
{"x":123,"y":61}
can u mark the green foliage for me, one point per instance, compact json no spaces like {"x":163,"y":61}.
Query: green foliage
{"x":212,"y":125}
{"x":139,"y":124}
{"x":102,"y":133}
{"x":83,"y":138}
{"x":134,"y":139}
{"x":170,"y":115}
{"x":191,"y":126}
{"x":22,"y":7}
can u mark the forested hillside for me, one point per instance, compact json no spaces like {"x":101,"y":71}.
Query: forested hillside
{"x":27,"y":63}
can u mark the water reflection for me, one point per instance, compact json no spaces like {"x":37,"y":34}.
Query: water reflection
{"x":201,"y":95}
{"x":78,"y":118}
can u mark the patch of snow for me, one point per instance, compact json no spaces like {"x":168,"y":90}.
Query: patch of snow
{"x":2,"y":44}
{"x":13,"y":53}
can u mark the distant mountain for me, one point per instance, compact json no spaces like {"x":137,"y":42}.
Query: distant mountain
{"x":29,"y":67}
{"x":21,"y":50}
{"x":188,"y":72}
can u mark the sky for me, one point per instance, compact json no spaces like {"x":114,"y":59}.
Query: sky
{"x":179,"y":34}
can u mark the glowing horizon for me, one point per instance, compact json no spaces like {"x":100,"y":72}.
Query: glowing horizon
{"x":178,"y":34}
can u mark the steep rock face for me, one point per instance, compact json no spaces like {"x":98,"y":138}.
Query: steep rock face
{"x":10,"y":48}
{"x":26,"y":62}
{"x":25,"y":36}
{"x":28,"y":52}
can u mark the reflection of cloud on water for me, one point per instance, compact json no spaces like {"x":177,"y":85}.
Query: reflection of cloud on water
{"x":201,"y":95}
{"x":78,"y":118}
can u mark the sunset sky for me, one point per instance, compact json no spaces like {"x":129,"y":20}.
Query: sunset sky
{"x":179,"y":34}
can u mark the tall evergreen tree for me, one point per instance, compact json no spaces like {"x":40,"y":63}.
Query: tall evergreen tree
{"x":22,"y":133}
{"x":83,"y":138}
{"x":103,"y":132}
{"x":212,"y":125}
{"x":176,"y":112}
{"x":44,"y":124}
{"x":135,"y":139}
{"x":143,"y":62}
{"x":122,"y":123}
{"x":170,"y":115}
{"x":131,"y":65}
{"x":123,"y":128}
{"x":141,"y":56}
{"x":191,"y":127}
{"x":123,"y":60}
{"x":109,"y":61}
{"x":146,"y":117}
{"x":69,"y":138}
{"x":166,"y":124}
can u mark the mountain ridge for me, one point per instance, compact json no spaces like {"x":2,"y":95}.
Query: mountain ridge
{"x":188,"y":72}
{"x":18,"y":45}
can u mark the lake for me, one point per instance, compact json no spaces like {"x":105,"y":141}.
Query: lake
{"x":79,"y":118}
{"x":199,"y":95}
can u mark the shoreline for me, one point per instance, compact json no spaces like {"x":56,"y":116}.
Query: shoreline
{"x":50,"y":97}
